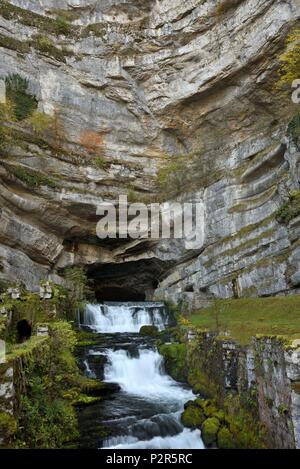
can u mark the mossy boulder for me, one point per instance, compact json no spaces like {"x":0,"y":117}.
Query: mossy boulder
{"x":151,"y":331}
{"x":225,"y":439}
{"x":208,"y":407}
{"x":175,"y":360}
{"x":210,"y":430}
{"x":193,"y":416}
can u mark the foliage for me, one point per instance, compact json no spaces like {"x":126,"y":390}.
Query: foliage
{"x":7,"y":116}
{"x":48,"y":419}
{"x":8,"y":424}
{"x":77,"y":282}
{"x":290,"y":208}
{"x":45,"y":45}
{"x":290,"y":61}
{"x":41,"y":123}
{"x":174,"y":359}
{"x":24,"y":103}
{"x":184,"y":173}
{"x":43,"y":23}
{"x":100,"y":162}
{"x":62,"y":25}
{"x":294,"y":128}
{"x":246,"y":317}
{"x":32,"y":178}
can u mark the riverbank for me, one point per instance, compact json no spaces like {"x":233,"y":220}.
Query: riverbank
{"x":251,"y":388}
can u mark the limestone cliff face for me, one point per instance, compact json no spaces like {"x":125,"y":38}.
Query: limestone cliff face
{"x":152,"y":79}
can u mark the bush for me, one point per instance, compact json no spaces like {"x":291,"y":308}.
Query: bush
{"x":289,"y":69}
{"x":48,"y":419}
{"x":41,"y":123}
{"x":62,"y":25}
{"x":17,"y":93}
{"x":290,"y":209}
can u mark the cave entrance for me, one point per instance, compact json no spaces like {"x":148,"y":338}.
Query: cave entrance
{"x":118,"y":294}
{"x":128,"y":281}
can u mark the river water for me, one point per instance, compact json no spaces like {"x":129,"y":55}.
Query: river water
{"x":144,"y":411}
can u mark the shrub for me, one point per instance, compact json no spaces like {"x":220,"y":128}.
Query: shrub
{"x":290,"y":209}
{"x":24,"y":103}
{"x":290,"y":61}
{"x":31,"y":178}
{"x":46,"y":46}
{"x":62,"y":25}
{"x":41,"y":123}
{"x":100,"y":162}
{"x":294,"y":128}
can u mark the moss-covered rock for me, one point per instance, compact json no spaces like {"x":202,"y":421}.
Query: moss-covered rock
{"x":225,"y":439}
{"x":208,"y":407}
{"x":193,"y":416}
{"x":8,"y":425}
{"x":175,"y":360}
{"x":151,"y":331}
{"x":210,"y":429}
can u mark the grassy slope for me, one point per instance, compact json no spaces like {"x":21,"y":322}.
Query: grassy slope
{"x":246,"y":317}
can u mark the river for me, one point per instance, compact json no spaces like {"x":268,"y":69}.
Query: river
{"x":144,"y":413}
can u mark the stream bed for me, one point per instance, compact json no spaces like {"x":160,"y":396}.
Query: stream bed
{"x":144,"y":410}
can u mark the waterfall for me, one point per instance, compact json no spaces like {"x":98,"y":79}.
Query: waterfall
{"x":143,"y":376}
{"x":146,"y":410}
{"x":124,"y":317}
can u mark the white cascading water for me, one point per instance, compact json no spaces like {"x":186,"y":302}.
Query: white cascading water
{"x":143,"y":376}
{"x":124,"y":317}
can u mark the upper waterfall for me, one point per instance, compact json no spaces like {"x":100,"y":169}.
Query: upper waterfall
{"x":112,"y":317}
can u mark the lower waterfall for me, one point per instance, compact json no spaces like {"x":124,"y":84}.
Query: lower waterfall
{"x":145,"y":412}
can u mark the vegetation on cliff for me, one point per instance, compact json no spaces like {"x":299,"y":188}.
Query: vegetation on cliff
{"x":245,"y":317}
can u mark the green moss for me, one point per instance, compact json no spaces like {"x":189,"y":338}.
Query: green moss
{"x":225,"y":439}
{"x":209,"y":431}
{"x":151,"y":331}
{"x":8,"y":425}
{"x":84,"y":400}
{"x":193,"y":416}
{"x":175,"y":360}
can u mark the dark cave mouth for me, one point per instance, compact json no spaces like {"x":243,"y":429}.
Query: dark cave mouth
{"x":128,"y":281}
{"x":113,"y":293}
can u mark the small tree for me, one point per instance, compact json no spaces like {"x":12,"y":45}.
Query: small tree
{"x":17,"y":93}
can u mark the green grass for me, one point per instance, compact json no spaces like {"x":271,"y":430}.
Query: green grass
{"x":247,"y":317}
